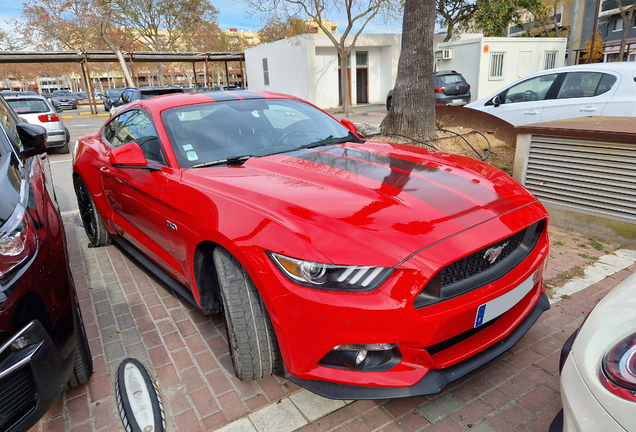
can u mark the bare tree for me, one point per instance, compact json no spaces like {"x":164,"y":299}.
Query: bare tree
{"x":162,"y":25}
{"x":10,"y":41}
{"x":107,"y":12}
{"x":412,"y":110}
{"x":626,"y":16}
{"x":358,"y":12}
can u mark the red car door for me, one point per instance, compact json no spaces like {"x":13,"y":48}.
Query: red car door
{"x":134,"y":194}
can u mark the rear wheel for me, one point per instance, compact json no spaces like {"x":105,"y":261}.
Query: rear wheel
{"x":388,"y":104}
{"x":64,"y":149}
{"x":92,"y":220}
{"x":251,"y":337}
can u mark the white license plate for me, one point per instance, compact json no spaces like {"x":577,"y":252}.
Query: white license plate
{"x":502,"y":304}
{"x":457,"y":101}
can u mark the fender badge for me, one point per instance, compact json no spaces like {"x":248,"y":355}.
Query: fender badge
{"x":493,"y":253}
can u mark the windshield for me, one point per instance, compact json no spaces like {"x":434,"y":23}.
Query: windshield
{"x":28,"y":106}
{"x":206,"y":133}
{"x":115,"y":93}
{"x":62,"y":93}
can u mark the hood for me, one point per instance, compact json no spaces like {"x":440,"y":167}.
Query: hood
{"x":374,"y":203}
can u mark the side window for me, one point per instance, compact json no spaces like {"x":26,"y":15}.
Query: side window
{"x":533,"y":89}
{"x":110,"y":129}
{"x":9,"y":120}
{"x":137,"y":126}
{"x":580,"y":84}
{"x":607,"y":81}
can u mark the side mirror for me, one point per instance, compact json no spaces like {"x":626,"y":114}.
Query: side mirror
{"x":346,"y":123}
{"x":33,"y":138}
{"x":130,"y":156}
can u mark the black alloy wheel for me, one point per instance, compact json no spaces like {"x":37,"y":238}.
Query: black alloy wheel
{"x":93,"y":224}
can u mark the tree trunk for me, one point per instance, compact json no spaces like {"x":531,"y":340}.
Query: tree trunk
{"x":449,"y":33}
{"x":160,"y":73}
{"x":344,"y":79}
{"x":627,"y":19}
{"x":413,"y":104}
{"x":115,"y":49}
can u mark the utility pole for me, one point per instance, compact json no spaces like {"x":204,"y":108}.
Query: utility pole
{"x":575,"y":9}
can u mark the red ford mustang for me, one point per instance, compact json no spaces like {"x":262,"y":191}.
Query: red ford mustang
{"x":361,"y":269}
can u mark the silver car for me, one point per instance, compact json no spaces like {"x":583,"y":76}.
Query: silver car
{"x":38,"y":110}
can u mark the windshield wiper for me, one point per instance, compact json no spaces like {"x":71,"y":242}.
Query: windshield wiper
{"x":231,"y":161}
{"x":329,"y":140}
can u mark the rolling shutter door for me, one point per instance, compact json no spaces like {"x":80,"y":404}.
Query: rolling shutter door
{"x":592,"y":177}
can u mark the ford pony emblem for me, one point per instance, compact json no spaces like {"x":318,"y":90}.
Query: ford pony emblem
{"x":493,"y":253}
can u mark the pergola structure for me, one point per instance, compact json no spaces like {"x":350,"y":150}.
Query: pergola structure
{"x":84,"y":58}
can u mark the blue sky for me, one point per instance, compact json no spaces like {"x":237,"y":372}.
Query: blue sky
{"x":231,"y":14}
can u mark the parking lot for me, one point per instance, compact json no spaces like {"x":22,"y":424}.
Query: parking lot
{"x":128,"y":313}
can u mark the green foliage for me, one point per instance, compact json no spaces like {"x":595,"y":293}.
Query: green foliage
{"x":596,"y":245}
{"x":586,"y":256}
{"x":494,"y":16}
{"x":560,"y":242}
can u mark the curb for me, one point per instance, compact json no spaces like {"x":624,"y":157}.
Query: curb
{"x":67,"y":117}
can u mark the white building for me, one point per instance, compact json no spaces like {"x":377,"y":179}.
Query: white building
{"x":307,"y":66}
{"x":490,"y":63}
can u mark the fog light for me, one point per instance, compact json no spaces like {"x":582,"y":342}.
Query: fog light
{"x":20,"y":342}
{"x":375,"y":357}
{"x":360,"y":357}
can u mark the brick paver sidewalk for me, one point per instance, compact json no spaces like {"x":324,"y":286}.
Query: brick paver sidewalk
{"x":128,"y":313}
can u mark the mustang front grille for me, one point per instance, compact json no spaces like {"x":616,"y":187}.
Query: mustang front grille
{"x":17,"y":396}
{"x":480,"y":268}
{"x":477,"y":262}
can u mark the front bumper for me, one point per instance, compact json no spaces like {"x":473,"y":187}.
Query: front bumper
{"x":435,"y":380}
{"x":32,"y":376}
{"x":581,"y":410}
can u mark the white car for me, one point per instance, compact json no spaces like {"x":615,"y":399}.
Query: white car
{"x":598,"y":379}
{"x":600,"y":89}
{"x":38,"y":110}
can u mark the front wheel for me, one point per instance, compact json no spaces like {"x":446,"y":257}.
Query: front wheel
{"x":251,"y":337}
{"x":83,"y":368}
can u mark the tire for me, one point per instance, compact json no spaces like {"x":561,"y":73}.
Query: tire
{"x":388,"y":104}
{"x":64,"y":149}
{"x":83,"y":368}
{"x":93,"y":223}
{"x":251,"y":337}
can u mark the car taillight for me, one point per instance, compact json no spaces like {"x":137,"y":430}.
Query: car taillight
{"x":46,"y":118}
{"x":439,"y":89}
{"x":618,"y":369}
{"x":468,"y":87}
{"x":17,"y":246}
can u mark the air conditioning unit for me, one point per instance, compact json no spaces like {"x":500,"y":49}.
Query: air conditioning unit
{"x":447,"y":54}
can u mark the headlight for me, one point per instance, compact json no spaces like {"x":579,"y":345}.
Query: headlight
{"x":330,"y":277}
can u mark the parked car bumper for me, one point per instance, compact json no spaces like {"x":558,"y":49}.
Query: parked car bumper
{"x":32,"y":376}
{"x":56,"y":138}
{"x":455,"y":100}
{"x":582,"y":412}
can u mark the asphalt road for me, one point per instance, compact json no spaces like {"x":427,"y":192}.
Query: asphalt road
{"x":61,"y":164}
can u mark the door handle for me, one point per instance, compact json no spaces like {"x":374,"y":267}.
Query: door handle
{"x":531,"y":112}
{"x":104,"y":170}
{"x":587,"y":109}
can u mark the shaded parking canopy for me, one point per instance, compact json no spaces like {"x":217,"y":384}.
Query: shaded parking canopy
{"x":84,"y":58}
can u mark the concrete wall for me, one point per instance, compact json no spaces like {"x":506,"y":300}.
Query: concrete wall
{"x":288,"y":67}
{"x":523,"y":56}
{"x":308,"y":68}
{"x":466,"y":60}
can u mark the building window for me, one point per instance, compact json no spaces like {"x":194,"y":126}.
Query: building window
{"x":549,"y":60}
{"x":265,"y":72}
{"x":362,"y":59}
{"x":497,"y":65}
{"x":618,"y":24}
